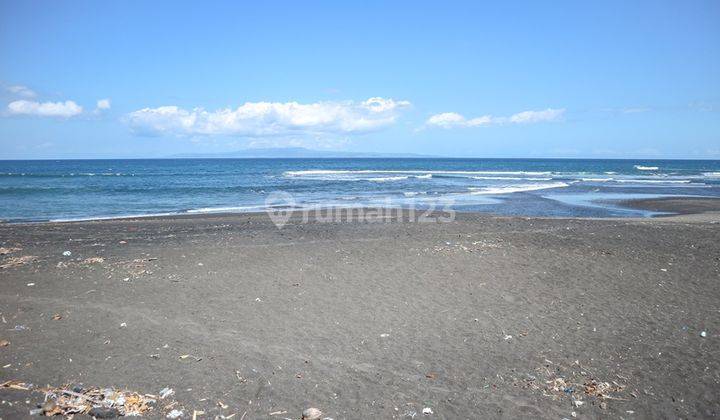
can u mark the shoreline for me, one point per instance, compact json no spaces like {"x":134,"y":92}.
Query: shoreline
{"x":675,"y":207}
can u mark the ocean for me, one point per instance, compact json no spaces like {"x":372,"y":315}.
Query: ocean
{"x":59,"y":190}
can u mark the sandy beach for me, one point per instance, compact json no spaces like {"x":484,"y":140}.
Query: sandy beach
{"x":483,"y":317}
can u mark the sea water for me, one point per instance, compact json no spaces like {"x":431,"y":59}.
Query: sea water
{"x":47,"y":190}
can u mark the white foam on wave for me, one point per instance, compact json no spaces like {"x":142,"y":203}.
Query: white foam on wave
{"x":596,"y":179}
{"x":711,"y":174}
{"x":516,"y":188}
{"x":123,"y":216}
{"x":653,"y":181}
{"x":510,"y":178}
{"x":233,"y":209}
{"x":646,"y":168}
{"x":314,"y":172}
{"x":388,"y":179}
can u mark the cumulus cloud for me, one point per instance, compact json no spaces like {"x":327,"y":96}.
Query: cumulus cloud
{"x":453,"y":119}
{"x":260,"y":119}
{"x":21,"y":91}
{"x":103,"y":104}
{"x":65,"y":109}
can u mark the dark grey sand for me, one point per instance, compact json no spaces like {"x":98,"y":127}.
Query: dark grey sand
{"x":484,"y":317}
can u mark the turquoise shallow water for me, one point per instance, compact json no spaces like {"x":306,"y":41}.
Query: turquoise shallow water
{"x":87,"y":189}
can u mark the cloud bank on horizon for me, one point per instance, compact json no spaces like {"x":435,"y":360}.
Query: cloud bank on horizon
{"x":262,"y":119}
{"x":453,"y":120}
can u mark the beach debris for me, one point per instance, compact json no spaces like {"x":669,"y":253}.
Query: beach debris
{"x":96,"y":402}
{"x":174,"y":414}
{"x":57,"y":317}
{"x":18,"y":261}
{"x":703,"y":334}
{"x":576,"y":382}
{"x":427,"y":411}
{"x":19,"y":328}
{"x":311,"y":413}
{"x":384,"y":335}
{"x":123,"y":325}
{"x":188,"y":356}
{"x":67,"y":253}
{"x":166,"y":392}
{"x":18,"y":385}
{"x":197,"y":413}
{"x":4,"y":343}
{"x":31,"y":284}
{"x":507,"y":337}
{"x":93,"y":260}
{"x":5,"y":251}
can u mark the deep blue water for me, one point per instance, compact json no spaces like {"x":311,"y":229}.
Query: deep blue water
{"x":78,"y":189}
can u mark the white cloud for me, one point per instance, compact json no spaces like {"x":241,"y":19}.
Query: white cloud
{"x":22,"y":91}
{"x":453,"y":119}
{"x":103,"y":104}
{"x":259,"y":119}
{"x":65,"y":109}
{"x":529,"y":117}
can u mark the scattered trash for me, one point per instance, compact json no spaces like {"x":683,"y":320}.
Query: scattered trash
{"x":21,"y":386}
{"x":19,"y":328}
{"x":31,"y":284}
{"x":508,"y":337}
{"x":123,"y":325}
{"x":5,"y":251}
{"x":93,"y":260}
{"x":384,"y":335}
{"x":311,"y":414}
{"x":99,"y":403}
{"x":187,"y":356}
{"x":222,"y":405}
{"x":67,"y":253}
{"x":166,"y":392}
{"x":4,"y":343}
{"x":703,"y":334}
{"x":575,"y":382}
{"x":18,"y":261}
{"x":427,"y":411}
{"x":277,"y":413}
{"x":57,"y":317}
{"x":174,"y":414}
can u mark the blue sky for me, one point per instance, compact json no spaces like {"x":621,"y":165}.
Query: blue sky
{"x":486,"y":79}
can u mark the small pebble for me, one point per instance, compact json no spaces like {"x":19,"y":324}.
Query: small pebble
{"x":703,"y":334}
{"x":311,"y":414}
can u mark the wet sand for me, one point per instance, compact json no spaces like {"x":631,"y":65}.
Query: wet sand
{"x":484,"y":317}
